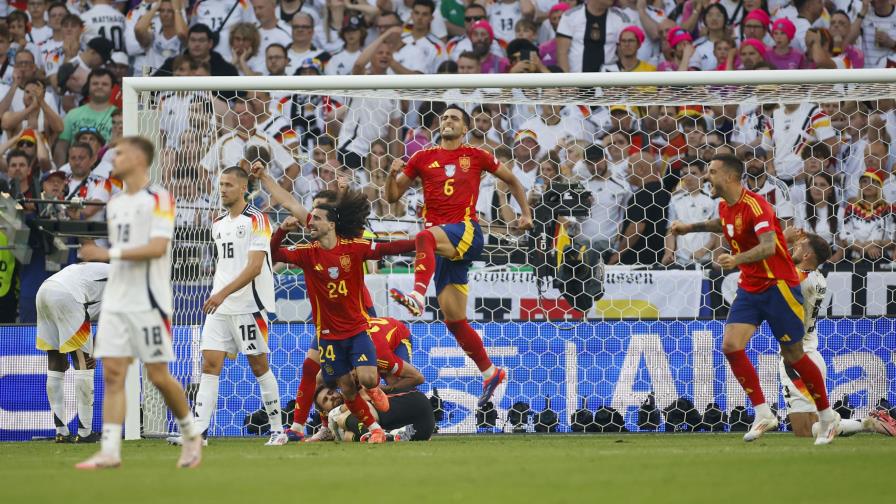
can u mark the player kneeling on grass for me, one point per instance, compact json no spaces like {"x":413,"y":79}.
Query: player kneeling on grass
{"x":242,"y":295}
{"x":66,"y":303}
{"x":333,"y":265}
{"x":409,"y":417}
{"x":134,"y":321}
{"x":810,"y":252}
{"x":768,"y":290}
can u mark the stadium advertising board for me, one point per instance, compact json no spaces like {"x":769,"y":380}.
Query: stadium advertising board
{"x":608,"y":363}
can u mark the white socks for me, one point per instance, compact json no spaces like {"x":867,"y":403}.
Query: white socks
{"x":188,"y":427}
{"x":111,"y":441}
{"x":56,"y":396}
{"x":488,"y":373}
{"x":206,"y":400}
{"x":270,"y":396}
{"x":763,"y":410}
{"x":84,"y":394}
{"x":848,"y":427}
{"x":297,"y":427}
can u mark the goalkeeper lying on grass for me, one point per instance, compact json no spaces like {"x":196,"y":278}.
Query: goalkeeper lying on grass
{"x":410,"y":416}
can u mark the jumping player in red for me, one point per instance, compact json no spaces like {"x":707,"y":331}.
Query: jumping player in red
{"x":451,"y":174}
{"x":768,"y":290}
{"x":334,"y":276}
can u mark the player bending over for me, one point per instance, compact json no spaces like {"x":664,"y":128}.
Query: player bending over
{"x":334,"y":275}
{"x":451,"y":174}
{"x":409,"y":418}
{"x":809,"y":252}
{"x":135,"y":318}
{"x":66,"y":303}
{"x":242,"y":295}
{"x":768,"y":290}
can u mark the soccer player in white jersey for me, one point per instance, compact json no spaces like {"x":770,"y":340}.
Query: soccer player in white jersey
{"x":134,"y":321}
{"x":242,"y":293}
{"x":809,"y":252}
{"x":66,"y":303}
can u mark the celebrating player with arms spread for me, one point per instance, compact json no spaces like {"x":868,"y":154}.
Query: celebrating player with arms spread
{"x":334,"y":275}
{"x":768,"y":290}
{"x":137,"y":305}
{"x":451,"y":174}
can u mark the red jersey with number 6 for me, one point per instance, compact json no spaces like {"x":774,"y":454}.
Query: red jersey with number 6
{"x":450,"y":181}
{"x":742,"y":224}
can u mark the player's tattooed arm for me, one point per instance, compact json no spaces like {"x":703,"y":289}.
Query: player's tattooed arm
{"x":710,"y":226}
{"x":397,"y":182}
{"x":765,"y":249}
{"x":279,"y":195}
{"x":408,"y":378}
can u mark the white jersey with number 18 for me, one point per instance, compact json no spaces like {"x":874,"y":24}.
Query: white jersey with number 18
{"x":813,"y":287}
{"x":135,"y":219}
{"x":234,"y":238}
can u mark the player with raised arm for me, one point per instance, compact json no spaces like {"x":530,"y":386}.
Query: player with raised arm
{"x":451,"y":174}
{"x":768,"y":290}
{"x":137,"y":305}
{"x":242,"y":296}
{"x":334,"y":277}
{"x":810,"y":252}
{"x":66,"y":303}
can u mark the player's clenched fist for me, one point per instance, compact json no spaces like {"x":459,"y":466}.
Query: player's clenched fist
{"x":727,"y":261}
{"x":397,"y":167}
{"x":678,"y":228}
{"x":290,"y":224}
{"x":524,"y":222}
{"x":257,"y":169}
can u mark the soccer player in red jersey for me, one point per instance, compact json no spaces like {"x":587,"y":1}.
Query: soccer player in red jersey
{"x":333,"y":265}
{"x":768,"y":290}
{"x":392,"y":340}
{"x":451,"y":174}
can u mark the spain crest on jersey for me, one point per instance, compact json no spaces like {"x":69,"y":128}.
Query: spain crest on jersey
{"x":334,"y":272}
{"x":346,"y":262}
{"x":450,"y":169}
{"x":464,"y":163}
{"x":738,"y":224}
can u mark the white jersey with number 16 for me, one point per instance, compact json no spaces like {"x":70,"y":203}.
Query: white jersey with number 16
{"x":135,"y":219}
{"x":234,"y":238}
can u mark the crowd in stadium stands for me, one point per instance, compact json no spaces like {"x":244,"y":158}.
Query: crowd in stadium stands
{"x":825,"y":167}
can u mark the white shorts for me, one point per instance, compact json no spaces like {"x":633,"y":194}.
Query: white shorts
{"x":63,"y":323}
{"x":245,"y":333}
{"x":144,"y":334}
{"x":798,"y":398}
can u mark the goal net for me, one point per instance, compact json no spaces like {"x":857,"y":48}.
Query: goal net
{"x":603,"y":322}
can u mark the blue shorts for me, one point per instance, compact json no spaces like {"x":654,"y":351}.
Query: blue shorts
{"x":339,"y":357}
{"x":314,"y":343}
{"x":781,"y":306}
{"x":467,"y":239}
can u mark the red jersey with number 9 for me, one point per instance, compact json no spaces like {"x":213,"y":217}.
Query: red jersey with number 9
{"x":742,"y":223}
{"x":450,"y":181}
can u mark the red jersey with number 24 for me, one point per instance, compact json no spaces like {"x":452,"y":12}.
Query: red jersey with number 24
{"x":335,"y":282}
{"x":742,"y":223}
{"x":450,"y":181}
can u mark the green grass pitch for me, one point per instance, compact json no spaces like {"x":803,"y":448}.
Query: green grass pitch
{"x":655,"y":468}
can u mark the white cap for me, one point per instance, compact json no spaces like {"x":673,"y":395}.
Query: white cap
{"x":120,"y":58}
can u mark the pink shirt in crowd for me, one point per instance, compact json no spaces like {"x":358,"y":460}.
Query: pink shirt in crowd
{"x":790,"y":61}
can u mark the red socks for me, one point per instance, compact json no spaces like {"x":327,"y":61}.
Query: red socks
{"x":359,"y":407}
{"x":470,"y":342}
{"x":746,"y":374}
{"x":305,"y":394}
{"x":425,"y":263}
{"x":813,"y":380}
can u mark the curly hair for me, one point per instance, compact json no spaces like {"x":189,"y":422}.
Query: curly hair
{"x":349,"y":213}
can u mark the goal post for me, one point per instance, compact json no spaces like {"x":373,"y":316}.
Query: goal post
{"x":647,"y":329}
